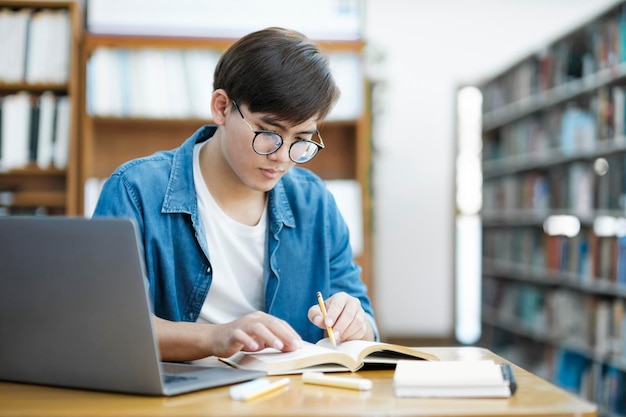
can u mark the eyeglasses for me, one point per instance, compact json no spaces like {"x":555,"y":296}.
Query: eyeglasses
{"x":266,"y":142}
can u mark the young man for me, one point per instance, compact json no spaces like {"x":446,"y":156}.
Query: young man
{"x":237,"y":241}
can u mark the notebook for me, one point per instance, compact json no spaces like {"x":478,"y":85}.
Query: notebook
{"x":75,"y":312}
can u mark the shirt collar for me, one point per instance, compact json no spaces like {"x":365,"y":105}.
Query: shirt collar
{"x":180,"y":195}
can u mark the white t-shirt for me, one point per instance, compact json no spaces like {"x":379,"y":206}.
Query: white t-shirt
{"x":236,"y":254}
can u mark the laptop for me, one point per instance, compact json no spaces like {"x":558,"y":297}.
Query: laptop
{"x":75,"y":311}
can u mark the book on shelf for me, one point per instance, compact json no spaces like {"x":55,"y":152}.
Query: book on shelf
{"x":33,"y":132}
{"x":14,"y":29}
{"x":614,"y":387}
{"x":571,"y":368}
{"x":454,"y":379}
{"x":62,"y":133}
{"x":92,"y":190}
{"x":619,"y":110}
{"x":349,"y":197}
{"x":45,"y":135}
{"x":578,"y":129}
{"x":323,"y":357}
{"x":348,"y":73}
{"x":48,"y":47}
{"x":16,"y":121}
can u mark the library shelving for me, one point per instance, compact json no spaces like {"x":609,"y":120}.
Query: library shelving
{"x":38,"y":106}
{"x":137,"y":100}
{"x":554,"y":211}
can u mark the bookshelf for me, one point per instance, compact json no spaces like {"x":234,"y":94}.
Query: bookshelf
{"x":116,"y":126}
{"x":38,"y":106}
{"x":554,"y":211}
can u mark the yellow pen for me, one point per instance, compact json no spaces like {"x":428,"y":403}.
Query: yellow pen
{"x":329,"y":329}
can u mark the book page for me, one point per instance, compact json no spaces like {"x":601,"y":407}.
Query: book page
{"x":376,"y":352}
{"x":276,"y":362}
{"x":346,"y":356}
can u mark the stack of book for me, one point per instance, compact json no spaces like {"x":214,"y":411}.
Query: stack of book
{"x":462,"y":379}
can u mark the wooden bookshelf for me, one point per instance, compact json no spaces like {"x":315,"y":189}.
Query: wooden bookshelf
{"x":107,"y":140}
{"x":47,"y":190}
{"x":554,"y":210}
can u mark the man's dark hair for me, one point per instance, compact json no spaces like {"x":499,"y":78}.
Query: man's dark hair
{"x":280,"y":72}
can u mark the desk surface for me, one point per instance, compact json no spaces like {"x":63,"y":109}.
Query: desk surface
{"x":534,"y":397}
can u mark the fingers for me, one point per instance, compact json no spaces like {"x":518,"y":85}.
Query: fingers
{"x":344,"y":315}
{"x":315,"y":316}
{"x":258,"y":331}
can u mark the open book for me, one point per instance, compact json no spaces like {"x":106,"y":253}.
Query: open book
{"x":323,"y":357}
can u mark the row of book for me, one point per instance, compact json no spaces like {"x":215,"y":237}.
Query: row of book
{"x":597,"y":47}
{"x":613,"y":390}
{"x":580,"y":187}
{"x":35,"y":129}
{"x":585,"y":258}
{"x":575,"y":127}
{"x":178,"y":83}
{"x":592,"y":325}
{"x":579,"y":344}
{"x":171,"y":83}
{"x":603,"y":384}
{"x":34,"y":46}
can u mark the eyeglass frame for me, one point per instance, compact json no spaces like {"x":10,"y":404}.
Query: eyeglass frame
{"x":319,"y":145}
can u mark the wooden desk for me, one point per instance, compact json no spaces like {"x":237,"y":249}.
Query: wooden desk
{"x":535,"y":397}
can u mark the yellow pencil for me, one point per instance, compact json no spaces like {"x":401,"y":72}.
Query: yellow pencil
{"x":329,"y":329}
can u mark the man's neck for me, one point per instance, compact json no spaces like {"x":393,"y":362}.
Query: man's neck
{"x":238,"y":201}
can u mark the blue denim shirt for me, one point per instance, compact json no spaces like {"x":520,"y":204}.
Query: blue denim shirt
{"x":308,"y":247}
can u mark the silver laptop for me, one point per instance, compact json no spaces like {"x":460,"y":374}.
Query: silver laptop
{"x":74,"y":311}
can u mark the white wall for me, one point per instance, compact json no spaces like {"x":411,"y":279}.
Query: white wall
{"x":421,"y":51}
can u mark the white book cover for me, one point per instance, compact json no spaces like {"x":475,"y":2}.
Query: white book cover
{"x":37,"y":50}
{"x":348,"y":73}
{"x":47,"y":104}
{"x":13,"y":43}
{"x":149,"y":98}
{"x":349,"y":199}
{"x":93,"y":188}
{"x":104,"y":97}
{"x":177,"y":95}
{"x":16,"y":114}
{"x":58,"y":48}
{"x":62,"y":134}
{"x":199,"y":68}
{"x":6,"y":44}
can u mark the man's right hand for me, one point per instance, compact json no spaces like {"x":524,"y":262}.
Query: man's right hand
{"x":184,"y":341}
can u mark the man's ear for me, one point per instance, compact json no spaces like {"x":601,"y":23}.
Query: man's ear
{"x":220,"y":104}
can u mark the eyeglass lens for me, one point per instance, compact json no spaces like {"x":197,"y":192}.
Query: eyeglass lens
{"x":266,"y":143}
